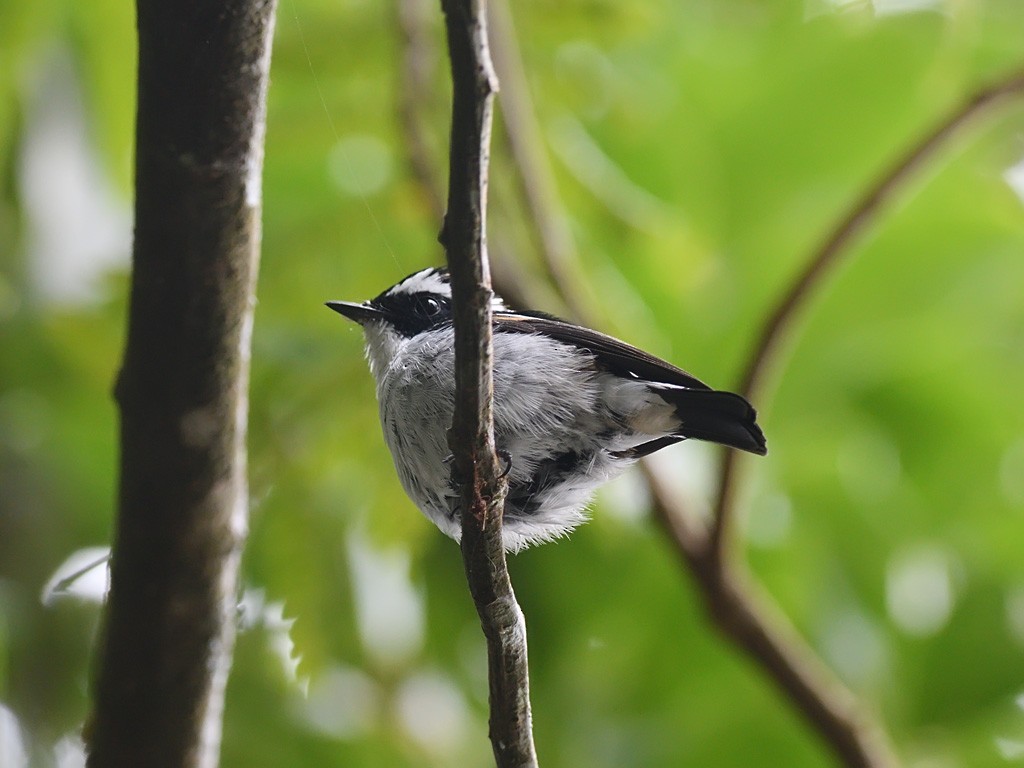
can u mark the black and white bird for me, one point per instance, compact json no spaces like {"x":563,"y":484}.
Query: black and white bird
{"x":572,"y":407}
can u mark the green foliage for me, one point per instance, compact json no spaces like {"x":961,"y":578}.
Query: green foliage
{"x":701,"y":150}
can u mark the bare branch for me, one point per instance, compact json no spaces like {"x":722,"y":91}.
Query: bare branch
{"x":413,"y":106}
{"x":475,"y":467}
{"x":549,"y":221}
{"x":182,"y":390}
{"x":862,"y":213}
{"x":414,"y":92}
{"x":816,"y":694}
{"x":749,"y":617}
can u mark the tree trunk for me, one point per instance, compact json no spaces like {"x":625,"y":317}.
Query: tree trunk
{"x":182,"y":390}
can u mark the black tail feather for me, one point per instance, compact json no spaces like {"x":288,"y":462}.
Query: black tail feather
{"x":721,"y":417}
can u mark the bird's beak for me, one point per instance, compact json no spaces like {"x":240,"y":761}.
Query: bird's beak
{"x":361,"y":313}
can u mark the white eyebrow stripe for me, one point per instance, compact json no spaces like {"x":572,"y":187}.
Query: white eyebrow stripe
{"x":425,"y":281}
{"x":431,"y":281}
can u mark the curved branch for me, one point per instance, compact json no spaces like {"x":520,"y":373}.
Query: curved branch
{"x":475,"y":467}
{"x":861,"y":214}
{"x":750,"y":618}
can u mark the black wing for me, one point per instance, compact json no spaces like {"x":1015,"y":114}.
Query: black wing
{"x":704,"y":413}
{"x":610,"y":353}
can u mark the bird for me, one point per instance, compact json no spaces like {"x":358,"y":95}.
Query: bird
{"x":572,"y":407}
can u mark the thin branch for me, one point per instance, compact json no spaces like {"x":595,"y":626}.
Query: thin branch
{"x":475,"y":466}
{"x":863,"y":213}
{"x":412,"y":106}
{"x":869,"y":748}
{"x":522,"y":132}
{"x":414,"y":92}
{"x":750,"y":618}
{"x":182,"y":391}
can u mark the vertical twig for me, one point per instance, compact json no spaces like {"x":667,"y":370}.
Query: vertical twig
{"x":182,"y":391}
{"x":414,"y":98}
{"x":548,"y":218}
{"x":475,"y":466}
{"x":414,"y":92}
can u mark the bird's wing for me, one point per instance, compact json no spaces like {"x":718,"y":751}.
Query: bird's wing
{"x":609,"y":352}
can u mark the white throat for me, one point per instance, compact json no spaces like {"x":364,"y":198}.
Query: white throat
{"x":383,"y":347}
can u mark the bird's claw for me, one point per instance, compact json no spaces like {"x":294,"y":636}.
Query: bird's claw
{"x":507,"y":458}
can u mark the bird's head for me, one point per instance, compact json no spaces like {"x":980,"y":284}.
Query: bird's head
{"x":420,"y":303}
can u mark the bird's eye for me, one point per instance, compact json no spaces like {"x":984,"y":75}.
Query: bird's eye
{"x":431,"y":306}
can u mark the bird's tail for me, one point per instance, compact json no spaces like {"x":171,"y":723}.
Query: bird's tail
{"x":721,"y":417}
